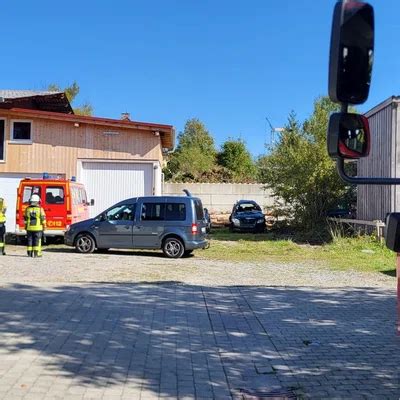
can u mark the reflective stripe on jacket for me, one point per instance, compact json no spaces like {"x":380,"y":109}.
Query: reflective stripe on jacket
{"x":35,"y":218}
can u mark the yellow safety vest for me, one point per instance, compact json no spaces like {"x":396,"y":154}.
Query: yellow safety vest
{"x":35,"y":218}
{"x":3,"y":210}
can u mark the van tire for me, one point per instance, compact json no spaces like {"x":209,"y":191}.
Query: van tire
{"x":173,"y":248}
{"x":85,"y":243}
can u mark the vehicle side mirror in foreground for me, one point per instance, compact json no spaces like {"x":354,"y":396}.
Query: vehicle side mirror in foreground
{"x":351,"y":52}
{"x":392,"y":233}
{"x":348,"y":136}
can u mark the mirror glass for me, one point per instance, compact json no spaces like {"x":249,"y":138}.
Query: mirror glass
{"x":352,"y":49}
{"x":353,"y":136}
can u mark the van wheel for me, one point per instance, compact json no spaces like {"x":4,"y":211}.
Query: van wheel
{"x":85,"y":243}
{"x":173,"y":248}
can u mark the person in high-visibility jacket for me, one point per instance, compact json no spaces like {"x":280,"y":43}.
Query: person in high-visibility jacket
{"x":3,"y":210}
{"x":35,"y":224}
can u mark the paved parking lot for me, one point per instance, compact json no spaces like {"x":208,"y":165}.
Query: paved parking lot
{"x":81,"y":335}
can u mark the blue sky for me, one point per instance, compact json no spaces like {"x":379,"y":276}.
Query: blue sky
{"x":228,"y":63}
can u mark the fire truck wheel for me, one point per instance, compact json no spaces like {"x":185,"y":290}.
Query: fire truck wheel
{"x":85,"y":243}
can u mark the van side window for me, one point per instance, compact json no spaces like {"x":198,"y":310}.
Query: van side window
{"x":175,"y":212}
{"x":83,"y":195}
{"x":54,"y":195}
{"x":125,"y":212}
{"x":29,"y":191}
{"x":74,"y":195}
{"x":153,"y":212}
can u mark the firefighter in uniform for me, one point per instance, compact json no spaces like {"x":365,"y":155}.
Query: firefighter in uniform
{"x":3,"y":210}
{"x":35,"y":223}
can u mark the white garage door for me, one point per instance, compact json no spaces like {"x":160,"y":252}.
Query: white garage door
{"x":8,"y":190}
{"x":110,"y":182}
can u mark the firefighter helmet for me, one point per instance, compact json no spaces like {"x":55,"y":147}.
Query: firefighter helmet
{"x":34,"y":199}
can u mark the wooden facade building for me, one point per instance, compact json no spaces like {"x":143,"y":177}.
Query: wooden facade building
{"x":375,"y":201}
{"x":115,"y":159}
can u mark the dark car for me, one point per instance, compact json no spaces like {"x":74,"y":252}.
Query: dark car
{"x":207,"y":218}
{"x":174,"y":224}
{"x":247,"y":216}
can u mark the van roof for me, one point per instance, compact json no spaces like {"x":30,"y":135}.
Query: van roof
{"x":55,"y":181}
{"x":152,"y":198}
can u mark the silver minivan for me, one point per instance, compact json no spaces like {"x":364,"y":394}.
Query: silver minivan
{"x":175,"y":224}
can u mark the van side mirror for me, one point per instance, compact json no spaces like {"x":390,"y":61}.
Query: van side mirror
{"x":392,"y":233}
{"x":351,"y":52}
{"x":92,"y":202}
{"x":348,"y":136}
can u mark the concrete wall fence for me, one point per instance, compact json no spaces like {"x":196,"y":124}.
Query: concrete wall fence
{"x":220,"y":197}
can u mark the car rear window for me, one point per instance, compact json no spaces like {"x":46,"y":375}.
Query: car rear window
{"x":199,"y":209}
{"x":54,"y":195}
{"x":29,"y":191}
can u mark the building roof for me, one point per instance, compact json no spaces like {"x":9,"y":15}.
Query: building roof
{"x":16,"y":94}
{"x":166,"y":132}
{"x":382,"y":105}
{"x":38,"y":100}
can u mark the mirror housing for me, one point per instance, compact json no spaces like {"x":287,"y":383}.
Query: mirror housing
{"x":348,"y":136}
{"x":351,"y":52}
{"x":92,"y":202}
{"x":392,"y":233}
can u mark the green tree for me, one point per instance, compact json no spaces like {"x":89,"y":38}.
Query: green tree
{"x":195,"y":156}
{"x":299,"y":171}
{"x":71,"y":92}
{"x":235,"y":157}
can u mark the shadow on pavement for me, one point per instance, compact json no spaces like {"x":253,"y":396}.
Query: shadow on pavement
{"x":391,"y":272}
{"x":175,"y":339}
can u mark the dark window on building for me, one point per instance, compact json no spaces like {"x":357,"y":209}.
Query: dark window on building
{"x":153,"y":212}
{"x":2,"y":140}
{"x":21,"y":130}
{"x":175,"y":212}
{"x":55,"y":195}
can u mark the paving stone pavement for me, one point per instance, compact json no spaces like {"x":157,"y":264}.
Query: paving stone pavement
{"x":171,"y":340}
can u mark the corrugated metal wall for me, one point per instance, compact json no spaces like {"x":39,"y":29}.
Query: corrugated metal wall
{"x":373,"y":202}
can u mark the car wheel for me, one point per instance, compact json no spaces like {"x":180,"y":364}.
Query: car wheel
{"x":85,"y":243}
{"x":173,"y":248}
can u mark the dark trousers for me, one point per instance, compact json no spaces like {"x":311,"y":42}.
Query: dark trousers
{"x":34,"y":243}
{"x":2,"y":239}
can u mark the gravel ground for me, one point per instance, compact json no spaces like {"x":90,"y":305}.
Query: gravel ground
{"x":62,"y":264}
